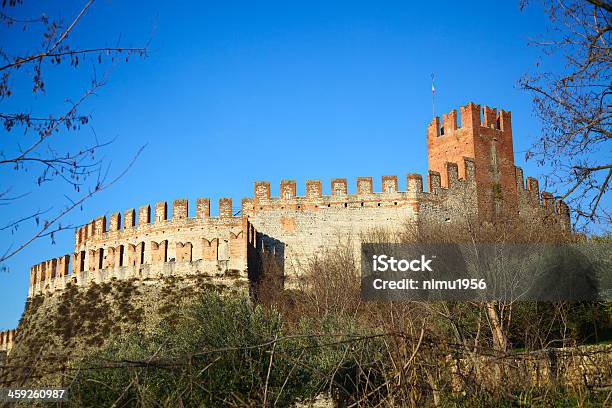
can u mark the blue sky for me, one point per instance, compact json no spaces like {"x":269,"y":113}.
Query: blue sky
{"x":234,"y":92}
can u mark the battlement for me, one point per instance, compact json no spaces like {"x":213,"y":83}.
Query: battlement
{"x":180,"y":209}
{"x":471,"y":117}
{"x":7,"y":338}
{"x":471,"y":172}
{"x":364,"y":190}
{"x":49,"y":269}
{"x":486,"y":136}
{"x":149,"y":274}
{"x":530,"y":197}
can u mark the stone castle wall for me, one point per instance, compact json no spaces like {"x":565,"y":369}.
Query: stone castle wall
{"x":296,"y":228}
{"x":471,"y":171}
{"x":152,"y":248}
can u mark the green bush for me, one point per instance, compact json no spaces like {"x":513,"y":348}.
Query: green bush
{"x":223,"y":350}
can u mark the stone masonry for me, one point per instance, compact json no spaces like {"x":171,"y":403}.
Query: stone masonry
{"x":471,"y":169}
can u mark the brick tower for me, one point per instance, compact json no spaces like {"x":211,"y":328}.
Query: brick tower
{"x":489,"y":142}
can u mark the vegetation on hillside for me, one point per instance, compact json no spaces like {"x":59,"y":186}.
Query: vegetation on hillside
{"x":189,"y":344}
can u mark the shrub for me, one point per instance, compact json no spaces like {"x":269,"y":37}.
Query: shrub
{"x":224,"y":350}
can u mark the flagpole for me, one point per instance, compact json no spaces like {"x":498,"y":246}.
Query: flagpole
{"x":433,"y":92}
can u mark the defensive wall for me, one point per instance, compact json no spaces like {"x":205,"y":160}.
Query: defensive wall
{"x":471,"y":171}
{"x":148,"y":248}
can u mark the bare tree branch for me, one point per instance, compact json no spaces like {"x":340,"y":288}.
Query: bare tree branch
{"x":574,"y":106}
{"x":603,"y":4}
{"x":83,"y":169}
{"x":101,"y":186}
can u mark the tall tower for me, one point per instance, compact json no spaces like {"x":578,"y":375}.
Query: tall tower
{"x":485,"y":136}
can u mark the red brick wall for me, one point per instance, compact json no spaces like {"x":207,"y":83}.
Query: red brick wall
{"x":489,"y":143}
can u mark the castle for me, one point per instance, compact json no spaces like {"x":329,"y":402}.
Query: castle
{"x":471,"y":168}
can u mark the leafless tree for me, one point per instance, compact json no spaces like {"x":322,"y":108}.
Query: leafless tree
{"x":573,"y":103}
{"x":31,"y":138}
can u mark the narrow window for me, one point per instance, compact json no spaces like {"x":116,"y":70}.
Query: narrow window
{"x":100,"y":258}
{"x":121,"y":255}
{"x":82,"y":261}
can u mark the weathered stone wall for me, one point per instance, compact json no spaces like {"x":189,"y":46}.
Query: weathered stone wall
{"x":297,"y":228}
{"x":587,"y":366}
{"x":471,"y":173}
{"x":212,"y":271}
{"x":531,"y":209}
{"x":453,"y":202}
{"x":179,"y":246}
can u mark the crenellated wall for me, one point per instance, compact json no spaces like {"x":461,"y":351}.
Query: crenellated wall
{"x":486,"y":136}
{"x":533,"y":205}
{"x":298,"y":227}
{"x":150,"y":247}
{"x":471,"y":172}
{"x":52,"y":268}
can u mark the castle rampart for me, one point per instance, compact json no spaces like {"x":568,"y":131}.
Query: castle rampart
{"x":297,"y":227}
{"x":471,"y":172}
{"x":153,"y":248}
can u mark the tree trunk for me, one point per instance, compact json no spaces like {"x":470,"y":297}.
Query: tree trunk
{"x":500,"y":341}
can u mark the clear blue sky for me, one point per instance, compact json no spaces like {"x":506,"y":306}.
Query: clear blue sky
{"x":234,"y":92}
